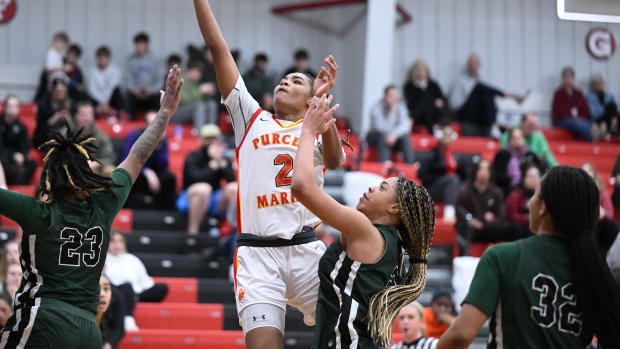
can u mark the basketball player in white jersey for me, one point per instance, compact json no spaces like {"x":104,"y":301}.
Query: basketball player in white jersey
{"x":276,"y":262}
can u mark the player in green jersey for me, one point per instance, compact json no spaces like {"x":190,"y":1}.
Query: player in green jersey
{"x":65,"y":239}
{"x":361,"y":289}
{"x":552,"y":290}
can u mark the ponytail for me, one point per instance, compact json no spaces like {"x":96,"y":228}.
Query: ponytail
{"x":417,"y":213}
{"x":572,"y":199}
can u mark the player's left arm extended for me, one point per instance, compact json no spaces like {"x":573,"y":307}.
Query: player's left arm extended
{"x":464,"y":329}
{"x":148,"y":141}
{"x":332,"y":147}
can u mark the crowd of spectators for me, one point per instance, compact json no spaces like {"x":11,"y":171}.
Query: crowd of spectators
{"x":486,"y":199}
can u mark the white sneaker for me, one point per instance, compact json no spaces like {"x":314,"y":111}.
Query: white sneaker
{"x":130,"y":324}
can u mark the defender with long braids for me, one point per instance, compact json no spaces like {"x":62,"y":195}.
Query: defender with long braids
{"x":65,"y":239}
{"x":552,"y":290}
{"x":361,"y":289}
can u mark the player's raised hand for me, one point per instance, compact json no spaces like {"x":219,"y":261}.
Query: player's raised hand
{"x":326,"y":79}
{"x":319,"y":117}
{"x":169,"y":99}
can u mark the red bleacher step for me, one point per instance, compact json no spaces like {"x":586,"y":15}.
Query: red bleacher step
{"x":180,"y":290}
{"x":165,"y":339}
{"x":180,"y":316}
{"x":123,"y":220}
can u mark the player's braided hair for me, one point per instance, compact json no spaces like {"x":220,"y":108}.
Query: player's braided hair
{"x":66,"y":173}
{"x":417,"y":216}
{"x":572,"y":199}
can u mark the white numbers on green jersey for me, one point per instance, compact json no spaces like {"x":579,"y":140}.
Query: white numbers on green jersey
{"x":73,"y":241}
{"x":549,"y":307}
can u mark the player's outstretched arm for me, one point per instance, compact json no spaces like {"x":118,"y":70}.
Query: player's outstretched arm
{"x":352,"y":223}
{"x":147,"y":142}
{"x":464,"y":329}
{"x":332,"y":147}
{"x":225,"y":67}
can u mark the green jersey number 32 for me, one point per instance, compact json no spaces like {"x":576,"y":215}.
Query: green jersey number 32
{"x":545,"y":313}
{"x":73,"y":242}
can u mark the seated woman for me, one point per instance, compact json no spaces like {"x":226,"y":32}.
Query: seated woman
{"x":127,"y":272}
{"x":361,"y":289}
{"x":518,"y":202}
{"x":518,"y":152}
{"x":110,"y":313}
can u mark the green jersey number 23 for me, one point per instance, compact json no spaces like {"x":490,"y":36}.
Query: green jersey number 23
{"x":74,"y":239}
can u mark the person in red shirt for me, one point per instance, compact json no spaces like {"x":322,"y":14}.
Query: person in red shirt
{"x":438,"y":317}
{"x":570,"y":109}
{"x":439,"y":171}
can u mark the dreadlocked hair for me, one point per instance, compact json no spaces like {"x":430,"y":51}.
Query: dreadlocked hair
{"x":66,"y":174}
{"x":572,"y":199}
{"x":417,"y":216}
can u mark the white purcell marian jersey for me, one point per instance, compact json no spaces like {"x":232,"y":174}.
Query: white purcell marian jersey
{"x":266,"y":150}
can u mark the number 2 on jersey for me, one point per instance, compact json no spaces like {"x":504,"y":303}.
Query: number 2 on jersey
{"x":73,"y":242}
{"x":283,"y":178}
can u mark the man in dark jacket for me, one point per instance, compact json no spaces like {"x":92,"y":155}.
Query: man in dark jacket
{"x":440,"y":176}
{"x":15,"y":145}
{"x":204,"y":172}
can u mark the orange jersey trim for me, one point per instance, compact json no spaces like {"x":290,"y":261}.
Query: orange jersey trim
{"x":284,"y":126}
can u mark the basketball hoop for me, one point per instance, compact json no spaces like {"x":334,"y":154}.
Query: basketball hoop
{"x":335,"y":17}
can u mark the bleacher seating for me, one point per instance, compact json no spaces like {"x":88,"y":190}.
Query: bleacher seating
{"x":199,"y":310}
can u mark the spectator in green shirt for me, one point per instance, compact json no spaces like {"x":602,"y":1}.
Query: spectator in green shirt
{"x":535,"y":140}
{"x":198,"y":104}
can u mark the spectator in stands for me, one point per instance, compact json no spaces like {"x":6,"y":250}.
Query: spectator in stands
{"x":110,"y":314}
{"x":10,"y":255}
{"x":615,"y":173}
{"x":209,"y":78}
{"x":172,"y":59}
{"x":518,"y":202}
{"x":203,"y":173}
{"x":518,"y":151}
{"x":390,"y":127}
{"x":439,"y":172}
{"x":84,"y":119}
{"x":424,"y":97}
{"x":54,"y":63}
{"x":197,"y":100}
{"x":534,"y":139}
{"x":104,"y":84}
{"x":6,"y":308}
{"x":474,"y":101}
{"x":438,"y":317}
{"x":155,"y":187}
{"x":480,"y":205}
{"x":607,"y":227}
{"x":15,"y":145}
{"x":302,"y":64}
{"x":54,"y":60}
{"x":128,"y":273}
{"x":12,"y":279}
{"x":570,"y":109}
{"x":142,"y":77}
{"x":259,"y":83}
{"x":53,"y":110}
{"x":603,"y":108}
{"x":411,"y":323}
{"x":71,"y":68}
